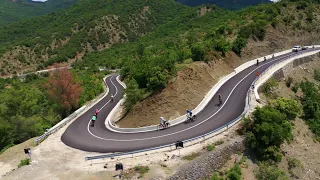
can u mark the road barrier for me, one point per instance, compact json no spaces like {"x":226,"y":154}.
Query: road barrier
{"x":203,"y":137}
{"x":71,"y":117}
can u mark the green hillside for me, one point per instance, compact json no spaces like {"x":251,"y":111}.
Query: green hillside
{"x":12,"y":11}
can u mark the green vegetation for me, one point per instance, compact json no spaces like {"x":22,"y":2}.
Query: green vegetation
{"x":269,"y":128}
{"x":311,"y":110}
{"x":24,"y":162}
{"x":27,"y":111}
{"x":141,"y":169}
{"x":12,"y":11}
{"x":316,"y":75}
{"x":268,"y":87}
{"x":269,"y":172}
{"x":234,"y":173}
{"x":294,"y":162}
{"x":228,"y":4}
{"x":210,"y":147}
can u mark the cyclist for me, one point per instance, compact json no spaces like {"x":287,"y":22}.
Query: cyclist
{"x":111,"y":97}
{"x":97,"y":112}
{"x":220,"y":99}
{"x":93,"y":120}
{"x":189,"y":113}
{"x":163,"y":121}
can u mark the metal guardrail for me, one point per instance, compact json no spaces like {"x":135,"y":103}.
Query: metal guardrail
{"x":69,"y":118}
{"x":227,"y":126}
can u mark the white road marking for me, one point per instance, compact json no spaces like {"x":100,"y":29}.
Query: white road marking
{"x":123,"y":140}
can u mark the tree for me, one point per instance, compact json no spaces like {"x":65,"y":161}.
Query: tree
{"x":290,"y":107}
{"x":133,"y":94}
{"x":63,"y":89}
{"x":156,"y":79}
{"x":5,"y":134}
{"x":198,"y":52}
{"x":238,"y":45}
{"x":268,"y":131}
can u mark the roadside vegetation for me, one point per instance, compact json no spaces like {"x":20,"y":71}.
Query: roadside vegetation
{"x":24,"y":162}
{"x":29,"y":107}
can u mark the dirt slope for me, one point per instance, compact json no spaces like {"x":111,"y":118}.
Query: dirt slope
{"x":194,"y":81}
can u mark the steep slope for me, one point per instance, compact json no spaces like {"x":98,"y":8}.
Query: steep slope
{"x":87,"y":26}
{"x":15,"y":10}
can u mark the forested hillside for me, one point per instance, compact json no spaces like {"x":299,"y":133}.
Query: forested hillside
{"x":146,"y":39}
{"x":227,"y":4}
{"x":15,"y":10}
{"x":87,"y":26}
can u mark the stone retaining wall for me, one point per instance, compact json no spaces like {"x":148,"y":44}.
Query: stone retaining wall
{"x":207,"y":164}
{"x":281,"y":73}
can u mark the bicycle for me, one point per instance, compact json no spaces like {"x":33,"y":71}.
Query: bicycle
{"x":161,"y":126}
{"x":190,"y":119}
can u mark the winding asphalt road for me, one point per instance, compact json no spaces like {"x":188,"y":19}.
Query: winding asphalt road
{"x":81,"y":136}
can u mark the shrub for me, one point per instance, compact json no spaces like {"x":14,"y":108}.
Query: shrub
{"x":141,"y":169}
{"x":198,"y":52}
{"x":210,"y":147}
{"x":290,"y":107}
{"x":268,"y":121}
{"x":294,"y":162}
{"x":302,"y":5}
{"x":269,"y":86}
{"x":289,"y":81}
{"x":316,"y":75}
{"x":269,"y":172}
{"x":215,"y":176}
{"x":234,"y":173}
{"x":295,"y":88}
{"x":238,"y":45}
{"x":24,"y":162}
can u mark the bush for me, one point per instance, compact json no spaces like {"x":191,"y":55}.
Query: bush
{"x":238,"y":45}
{"x":234,"y":173}
{"x":290,"y":107}
{"x":215,"y":176}
{"x":267,"y":130}
{"x":295,"y":88}
{"x":316,"y":75}
{"x":269,"y":86}
{"x":141,"y":169}
{"x":302,"y":5}
{"x":24,"y":162}
{"x":294,"y":162}
{"x":210,"y":147}
{"x":289,"y":81}
{"x":198,"y":52}
{"x":133,"y":94}
{"x":269,"y":172}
